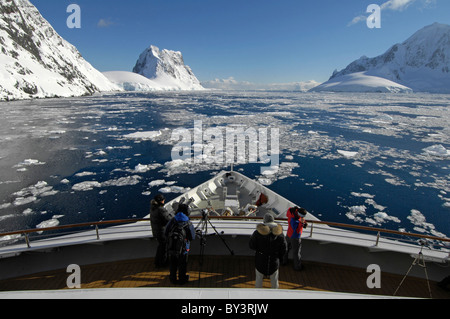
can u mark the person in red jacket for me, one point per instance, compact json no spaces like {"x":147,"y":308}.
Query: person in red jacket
{"x":296,"y":224}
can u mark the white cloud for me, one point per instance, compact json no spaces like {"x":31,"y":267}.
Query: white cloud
{"x":357,"y":20}
{"x":396,"y":5}
{"x":104,"y":23}
{"x":393,"y":5}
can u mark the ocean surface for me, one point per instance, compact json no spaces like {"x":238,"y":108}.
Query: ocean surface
{"x":368,"y":159}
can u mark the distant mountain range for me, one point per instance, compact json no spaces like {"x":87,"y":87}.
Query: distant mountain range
{"x":420,"y":64}
{"x":35,"y":62}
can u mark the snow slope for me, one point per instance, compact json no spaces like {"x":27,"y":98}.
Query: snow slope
{"x":167,"y":69}
{"x":130,"y":81}
{"x":35,"y":62}
{"x":361,"y":82}
{"x":421,"y":63}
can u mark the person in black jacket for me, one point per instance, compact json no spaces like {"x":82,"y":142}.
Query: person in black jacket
{"x":270,"y":245}
{"x":178,"y":258}
{"x":159,"y":217}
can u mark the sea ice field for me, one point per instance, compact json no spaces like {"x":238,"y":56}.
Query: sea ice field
{"x":373,"y":159}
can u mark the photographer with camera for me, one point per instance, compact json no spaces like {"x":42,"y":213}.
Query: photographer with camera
{"x":296,"y":224}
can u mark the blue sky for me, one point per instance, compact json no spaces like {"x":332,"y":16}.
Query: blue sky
{"x":260,"y":41}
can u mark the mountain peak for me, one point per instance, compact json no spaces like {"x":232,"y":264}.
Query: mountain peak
{"x":166,"y":66}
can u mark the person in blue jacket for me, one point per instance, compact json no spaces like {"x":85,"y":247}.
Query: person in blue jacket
{"x":178,"y":259}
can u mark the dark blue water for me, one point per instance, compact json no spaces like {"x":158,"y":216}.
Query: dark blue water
{"x":390,"y":174}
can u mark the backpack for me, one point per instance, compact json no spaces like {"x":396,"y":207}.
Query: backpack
{"x":176,"y":240}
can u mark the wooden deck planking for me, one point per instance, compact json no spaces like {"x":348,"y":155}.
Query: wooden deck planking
{"x":226,"y":272}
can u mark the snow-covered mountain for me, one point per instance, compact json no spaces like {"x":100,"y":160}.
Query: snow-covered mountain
{"x":35,"y":62}
{"x":421,"y":63}
{"x":361,"y":82}
{"x":167,"y":69}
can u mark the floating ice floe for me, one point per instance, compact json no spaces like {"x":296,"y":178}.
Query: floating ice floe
{"x":119,"y":182}
{"x":358,"y":213}
{"x":157,"y":182}
{"x":123,"y":181}
{"x":20,"y":201}
{"x":28,"y":211}
{"x":30,"y":162}
{"x":5,"y":205}
{"x":22,"y":167}
{"x":437,"y":150}
{"x":347,"y":154}
{"x":143,"y":135}
{"x":365,"y":195}
{"x":82,"y":174}
{"x":174,"y":189}
{"x":382,"y":217}
{"x":30,"y":194}
{"x":86,"y":186}
{"x":10,"y":238}
{"x":274,"y":173}
{"x":421,"y":224}
{"x":141,"y":168}
{"x":49,"y":223}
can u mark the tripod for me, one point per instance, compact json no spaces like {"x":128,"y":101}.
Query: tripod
{"x":420,"y":261}
{"x":202,"y":231}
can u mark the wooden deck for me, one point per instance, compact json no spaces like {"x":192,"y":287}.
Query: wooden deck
{"x":226,"y":272}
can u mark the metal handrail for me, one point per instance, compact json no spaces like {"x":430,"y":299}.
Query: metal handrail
{"x":26,"y":233}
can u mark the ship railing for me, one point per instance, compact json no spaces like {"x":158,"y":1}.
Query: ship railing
{"x":140,"y":228}
{"x":77,"y":232}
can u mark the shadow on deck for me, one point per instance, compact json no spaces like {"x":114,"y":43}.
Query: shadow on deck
{"x":227,"y":272}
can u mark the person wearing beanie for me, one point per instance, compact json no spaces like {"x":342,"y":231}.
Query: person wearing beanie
{"x":159,"y":217}
{"x":270,"y":245}
{"x":296,"y":224}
